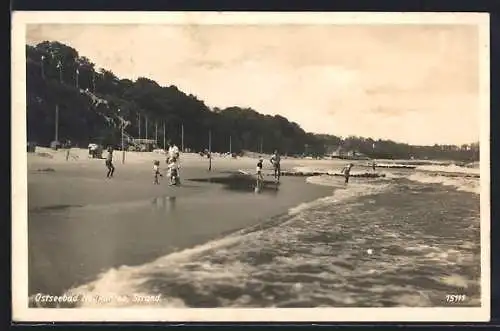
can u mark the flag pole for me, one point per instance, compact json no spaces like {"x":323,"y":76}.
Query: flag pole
{"x":182,"y":137}
{"x":123,"y":144}
{"x":164,"y":137}
{"x":139,"y":122}
{"x":209,"y":150}
{"x":123,"y":136}
{"x":156,"y":132}
{"x":56,"y":134}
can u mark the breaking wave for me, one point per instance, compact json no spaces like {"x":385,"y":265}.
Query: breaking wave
{"x":452,"y":168}
{"x":465,"y":184}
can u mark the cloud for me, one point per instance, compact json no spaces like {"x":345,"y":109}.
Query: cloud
{"x":410,"y":83}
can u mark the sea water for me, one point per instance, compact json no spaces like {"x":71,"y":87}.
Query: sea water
{"x":408,"y":239}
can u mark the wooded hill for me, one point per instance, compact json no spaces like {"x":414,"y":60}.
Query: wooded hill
{"x":90,"y":102}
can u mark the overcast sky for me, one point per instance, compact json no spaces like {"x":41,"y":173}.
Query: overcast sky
{"x":414,"y":84}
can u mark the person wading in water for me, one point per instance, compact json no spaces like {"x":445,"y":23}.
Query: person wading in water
{"x":347,"y":172}
{"x":260,"y":177}
{"x":275,"y":160}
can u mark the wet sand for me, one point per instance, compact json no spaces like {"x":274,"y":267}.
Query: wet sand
{"x":81,"y":224}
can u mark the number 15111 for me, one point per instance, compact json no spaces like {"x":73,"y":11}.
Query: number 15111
{"x":455,"y":298}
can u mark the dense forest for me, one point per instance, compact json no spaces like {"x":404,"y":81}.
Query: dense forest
{"x":92,"y":105}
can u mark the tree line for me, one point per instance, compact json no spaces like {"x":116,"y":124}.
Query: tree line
{"x":92,"y":102}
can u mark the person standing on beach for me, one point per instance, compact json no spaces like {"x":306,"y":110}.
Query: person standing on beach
{"x":347,"y":172}
{"x":173,"y":151}
{"x":373,"y":165}
{"x":275,"y":160}
{"x":109,"y":163}
{"x":68,"y":149}
{"x":156,"y":172}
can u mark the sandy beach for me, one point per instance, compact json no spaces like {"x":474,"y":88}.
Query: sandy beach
{"x":88,"y":224}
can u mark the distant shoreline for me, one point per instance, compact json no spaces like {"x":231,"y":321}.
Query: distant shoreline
{"x":46,"y":151}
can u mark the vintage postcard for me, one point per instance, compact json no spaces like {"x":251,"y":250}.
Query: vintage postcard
{"x":224,"y":166}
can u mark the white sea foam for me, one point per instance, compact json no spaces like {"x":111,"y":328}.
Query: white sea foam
{"x":310,"y":169}
{"x":465,"y":184}
{"x":325,"y":180}
{"x":394,"y":165}
{"x":327,"y":171}
{"x":334,"y":181}
{"x":341,"y":192}
{"x":452,"y":168}
{"x":125,"y":281}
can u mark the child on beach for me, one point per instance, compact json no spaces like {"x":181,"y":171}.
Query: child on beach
{"x":156,"y":172}
{"x":109,"y":163}
{"x":173,"y":171}
{"x":260,"y":177}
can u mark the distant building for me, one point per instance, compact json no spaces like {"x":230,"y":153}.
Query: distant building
{"x":339,"y":152}
{"x":334,"y":151}
{"x":356,"y":155}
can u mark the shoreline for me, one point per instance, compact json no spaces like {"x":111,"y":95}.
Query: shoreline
{"x":88,"y":224}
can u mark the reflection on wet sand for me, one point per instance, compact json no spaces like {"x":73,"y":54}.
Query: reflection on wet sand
{"x":164,"y":203}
